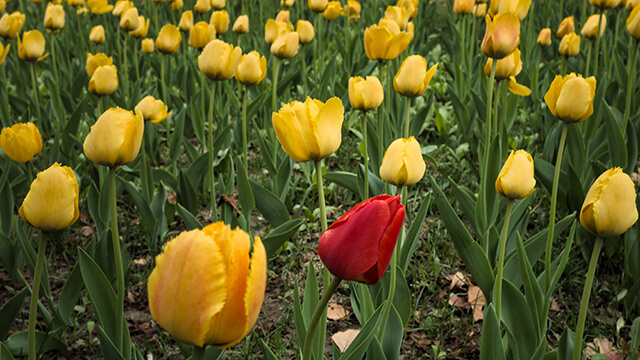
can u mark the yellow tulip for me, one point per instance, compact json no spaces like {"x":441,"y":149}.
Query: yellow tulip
{"x":286,"y":45}
{"x":95,"y":61}
{"x":219,"y":60}
{"x":201,"y":34}
{"x":506,"y":67}
{"x":516,"y":180}
{"x":115,"y":138}
{"x":104,"y":80}
{"x":411,"y":6}
{"x":152,"y":110}
{"x":3,"y":52}
{"x":273,"y":29}
{"x":332,"y":11}
{"x":604,"y":4}
{"x":11,"y":25}
{"x":589,"y":28}
{"x":54,"y":18}
{"x":3,"y":5}
{"x":177,"y":5}
{"x":147,"y":46}
{"x":208,"y":285}
{"x":354,"y":9}
{"x":121,"y":8}
{"x":403,"y":164}
{"x":168,"y":40}
{"x":252,"y":69}
{"x":97,"y":34}
{"x":202,"y":6}
{"x":365,"y":94}
{"x":31,"y":48}
{"x":76,"y":3}
{"x":130,"y":20}
{"x":241,"y":26}
{"x":21,"y":142}
{"x":609,"y":208}
{"x":305,"y":31}
{"x":633,"y":22}
{"x":502,"y":35}
{"x":287,"y":3}
{"x":385,"y":41}
{"x":52,"y":201}
{"x":463,"y":7}
{"x":544,"y":37}
{"x":318,"y":6}
{"x":398,"y":14}
{"x":186,"y":21}
{"x":412,"y":78}
{"x":517,"y":7}
{"x":99,"y":6}
{"x":311,"y":130}
{"x":566,"y":26}
{"x":630,"y":4}
{"x":218,"y":4}
{"x":142,"y":30}
{"x":480,"y":10}
{"x":570,"y":98}
{"x":283,"y":16}
{"x":570,"y":45}
{"x":220,"y":20}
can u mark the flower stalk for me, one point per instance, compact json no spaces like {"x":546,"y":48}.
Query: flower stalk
{"x":317,"y":313}
{"x":33,"y":307}
{"x":115,"y":239}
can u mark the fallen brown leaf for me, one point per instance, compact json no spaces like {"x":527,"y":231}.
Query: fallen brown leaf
{"x":336,"y":311}
{"x":343,"y":339}
{"x":477,"y":301}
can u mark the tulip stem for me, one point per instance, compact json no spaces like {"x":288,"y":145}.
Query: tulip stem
{"x":463,"y":36}
{"x":99,"y":106}
{"x":53,"y":58}
{"x":5,"y":98}
{"x":304,"y":71}
{"x":366,"y":155}
{"x":214,"y":210}
{"x":503,"y":246}
{"x":276,"y":70}
{"x":407,"y":117}
{"x":115,"y":239}
{"x":487,"y":143}
{"x":164,"y":91}
{"x":586,"y":69}
{"x":33,"y":307}
{"x":35,"y":96}
{"x":595,"y":63}
{"x":496,"y":105}
{"x":392,"y":282}
{"x":135,"y":60}
{"x":586,"y":293}
{"x":125,"y":73}
{"x":552,"y":211}
{"x":198,"y":353}
{"x":244,"y":128}
{"x":317,"y":313}
{"x":380,"y":117}
{"x":632,"y":69}
{"x":534,"y":82}
{"x":320,"y":184}
{"x":563,"y":65}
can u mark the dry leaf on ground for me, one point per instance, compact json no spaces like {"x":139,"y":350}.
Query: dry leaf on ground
{"x":336,"y":311}
{"x":344,"y":338}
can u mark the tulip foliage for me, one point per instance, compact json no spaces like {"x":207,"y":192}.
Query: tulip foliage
{"x":212,"y":179}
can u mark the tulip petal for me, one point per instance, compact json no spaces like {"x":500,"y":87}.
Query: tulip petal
{"x":610,"y":215}
{"x":516,"y":88}
{"x":574,"y":100}
{"x":328,"y":127}
{"x":551,"y":97}
{"x":397,"y":45}
{"x":256,"y":283}
{"x":388,"y":245}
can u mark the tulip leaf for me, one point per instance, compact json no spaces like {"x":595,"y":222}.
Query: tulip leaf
{"x":269,"y":205}
{"x":298,"y":318}
{"x":518,"y":318}
{"x":148,"y":219}
{"x":247,"y":201}
{"x":345,"y":179}
{"x":361,"y":301}
{"x":212,"y":353}
{"x":393,"y":334}
{"x":309,"y":303}
{"x":198,"y":169}
{"x":544,"y":173}
{"x":410,"y":242}
{"x":10,"y":311}
{"x":6,"y":210}
{"x":615,"y":140}
{"x":375,"y":352}
{"x":635,"y":338}
{"x":186,"y":194}
{"x":5,"y":354}
{"x":565,"y":345}
{"x":491,"y":340}
{"x":467,"y":201}
{"x":197,"y":121}
{"x":18,"y":343}
{"x":190,"y":221}
{"x":70,"y":293}
{"x":278,"y":236}
{"x":533,"y":291}
{"x":109,"y":349}
{"x":359,"y":345}
{"x":175,"y":143}
{"x":266,"y":351}
{"x":632,"y":148}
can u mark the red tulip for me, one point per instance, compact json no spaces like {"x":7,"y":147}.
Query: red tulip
{"x":359,"y":245}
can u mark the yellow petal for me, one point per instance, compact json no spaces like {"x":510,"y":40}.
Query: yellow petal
{"x":574,"y":100}
{"x":328,"y":127}
{"x":516,"y":88}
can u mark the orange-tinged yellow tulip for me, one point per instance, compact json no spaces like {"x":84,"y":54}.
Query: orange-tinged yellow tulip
{"x":286,"y":45}
{"x":54,"y":18}
{"x":104,"y":80}
{"x":97,"y":35}
{"x":398,"y":14}
{"x":11,"y":24}
{"x":31,"y":48}
{"x":310,"y":130}
{"x":3,"y":52}
{"x":273,"y":29}
{"x":566,"y":26}
{"x":403,"y":164}
{"x":148,"y":46}
{"x":21,"y":142}
{"x":130,"y":20}
{"x":502,"y":35}
{"x":99,"y":6}
{"x":220,"y":20}
{"x":506,"y":67}
{"x":95,"y":61}
{"x":411,"y":6}
{"x":590,"y":26}
{"x":115,"y":138}
{"x":365,"y":94}
{"x":570,"y":45}
{"x":168,"y":40}
{"x":480,"y":10}
{"x":186,"y":21}
{"x":52,"y":201}
{"x":218,"y":4}
{"x":516,"y":180}
{"x":333,"y":10}
{"x":121,"y":7}
{"x":241,"y":26}
{"x":283,"y":16}
{"x":412,"y":78}
{"x":219,"y":60}
{"x":633,"y":22}
{"x":354,"y":9}
{"x":208,"y":285}
{"x":385,"y":41}
{"x":305,"y":31}
{"x":202,"y":6}
{"x":252,"y":69}
{"x":152,"y":110}
{"x":518,"y":7}
{"x":318,"y":6}
{"x":570,"y":98}
{"x":287,"y":3}
{"x":201,"y":34}
{"x":604,"y":4}
{"x":463,"y":6}
{"x":544,"y":37}
{"x":609,"y":209}
{"x":142,"y":30}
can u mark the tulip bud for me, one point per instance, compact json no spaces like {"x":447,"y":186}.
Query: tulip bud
{"x":502,"y":36}
{"x":11,"y":25}
{"x":333,"y":10}
{"x":544,"y":38}
{"x":202,"y":6}
{"x":402,"y":164}
{"x":121,"y":8}
{"x":286,"y":45}
{"x":54,"y":18}
{"x":283,"y":16}
{"x":412,"y":78}
{"x":631,"y":4}
{"x":3,"y":52}
{"x":168,"y":40}
{"x":104,"y":80}
{"x":218,"y":4}
{"x":220,"y":20}
{"x":147,"y":46}
{"x":130,"y":20}
{"x":241,"y":26}
{"x":570,"y":98}
{"x":318,"y":6}
{"x":287,"y":3}
{"x":3,"y":5}
{"x":219,"y":60}
{"x":463,"y":7}
{"x":359,"y":245}
{"x":518,"y":7}
{"x":506,"y":67}
{"x":569,"y":45}
{"x":97,"y":34}
{"x":516,"y":179}
{"x":152,"y":110}
{"x":566,"y":26}
{"x":590,"y":26}
{"x":305,"y":31}
{"x":95,"y":61}
{"x":115,"y":138}
{"x":142,"y":30}
{"x":385,"y":41}
{"x":208,"y":285}
{"x":411,"y":6}
{"x":252,"y":69}
{"x":201,"y":34}
{"x":21,"y":142}
{"x":604,"y":4}
{"x":99,"y":6}
{"x":311,"y":130}
{"x":273,"y":29}
{"x":75,"y":3}
{"x":186,"y":21}
{"x":31,"y":47}
{"x":480,"y":10}
{"x":366,"y":94}
{"x":609,"y":209}
{"x":633,"y":22}
{"x":354,"y":10}
{"x":176,"y":5}
{"x":52,"y":201}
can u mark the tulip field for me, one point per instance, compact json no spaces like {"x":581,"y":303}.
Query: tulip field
{"x":314,"y":179}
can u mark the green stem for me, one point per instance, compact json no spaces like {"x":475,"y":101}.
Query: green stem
{"x":583,"y":12}
{"x":320,"y":184}
{"x":503,"y":246}
{"x":125,"y":73}
{"x":534,"y":82}
{"x":244,"y":128}
{"x":33,"y":308}
{"x":487,"y":142}
{"x":317,"y":313}
{"x":496,"y":104}
{"x":99,"y":106}
{"x":53,"y":58}
{"x":381,"y":117}
{"x":346,"y":32}
{"x":315,"y":50}
{"x":407,"y":117}
{"x":135,"y":60}
{"x":164,"y":91}
{"x":276,"y":70}
{"x":631,"y":71}
{"x":210,"y":151}
{"x":463,"y":38}
{"x":80,"y":32}
{"x":5,"y":97}
{"x":472,"y":45}
{"x":586,"y":68}
{"x":115,"y":239}
{"x":595,"y":63}
{"x":586,"y":293}
{"x":35,"y":95}
{"x":304,"y":71}
{"x":366,"y":155}
{"x":552,"y":211}
{"x":563,"y":65}
{"x":198,"y":353}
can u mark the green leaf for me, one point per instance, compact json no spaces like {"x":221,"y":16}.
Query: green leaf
{"x":519,"y":320}
{"x":359,"y":346}
{"x":247,"y":201}
{"x":5,"y":354}
{"x":635,"y":338}
{"x":274,"y":240}
{"x":533,"y":292}
{"x":565,"y":345}
{"x":491,"y":341}
{"x":186,"y":194}
{"x":393,"y":333}
{"x":298,"y":318}
{"x":178,"y":131}
{"x":632,"y":147}
{"x":148,"y":218}
{"x":266,"y":351}
{"x":109,"y":349}
{"x":269,"y":205}
{"x":615,"y":140}
{"x":18,"y":343}
{"x":410,"y":241}
{"x":467,"y":201}
{"x":375,"y":352}
{"x":362,"y":302}
{"x":190,"y":221}
{"x":10,"y":311}
{"x":7,"y":208}
{"x":70,"y":293}
{"x":198,"y":169}
{"x":345,"y":179}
